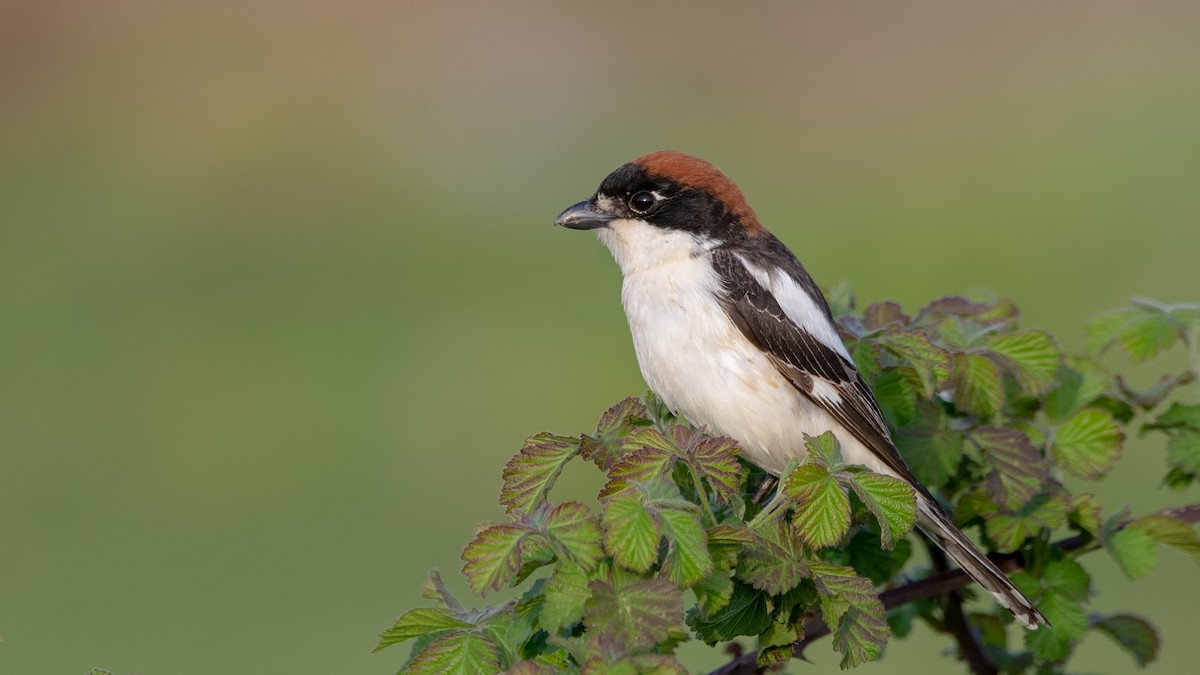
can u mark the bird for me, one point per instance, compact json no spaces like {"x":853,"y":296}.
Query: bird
{"x":732,"y":333}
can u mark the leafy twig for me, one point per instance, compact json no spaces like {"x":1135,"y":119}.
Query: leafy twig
{"x":929,"y":587}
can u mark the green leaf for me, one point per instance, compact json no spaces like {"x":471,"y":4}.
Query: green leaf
{"x":494,"y":556}
{"x":871,"y":561}
{"x":1133,"y":633}
{"x":896,"y":396}
{"x":1088,"y":443}
{"x":978,"y":388}
{"x":606,"y":446}
{"x":746,"y":613}
{"x":824,"y":450}
{"x":1133,"y":549}
{"x":1149,"y":333}
{"x":531,"y":473}
{"x":458,"y":652}
{"x":776,"y":563}
{"x":1076,"y":388}
{"x":912,"y":348}
{"x":571,"y":524}
{"x":932,"y":454}
{"x":1032,"y":356}
{"x":822,"y":511}
{"x":853,"y":612}
{"x":726,"y":541}
{"x":1068,"y":623}
{"x":632,"y":613}
{"x":1178,"y":416}
{"x":1018,"y":470}
{"x":715,"y":460}
{"x":1068,"y":579}
{"x":640,"y":465}
{"x":687,"y":560}
{"x":566,"y":592}
{"x":1102,"y":331}
{"x":417,"y":622}
{"x":890,"y":500}
{"x":1085,"y":512}
{"x":1183,"y":451}
{"x":713,"y":591}
{"x":630,"y":533}
{"x":1171,"y":532}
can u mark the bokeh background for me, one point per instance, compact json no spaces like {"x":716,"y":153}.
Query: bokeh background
{"x":279,"y":291}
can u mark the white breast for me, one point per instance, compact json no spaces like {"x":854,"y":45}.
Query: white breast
{"x":693,"y":356}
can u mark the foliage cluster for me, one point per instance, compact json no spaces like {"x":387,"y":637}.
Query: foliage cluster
{"x":990,"y":417}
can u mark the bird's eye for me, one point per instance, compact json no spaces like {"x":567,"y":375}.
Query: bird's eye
{"x":642,"y":201}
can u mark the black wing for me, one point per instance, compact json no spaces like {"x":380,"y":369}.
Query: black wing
{"x":801,"y":357}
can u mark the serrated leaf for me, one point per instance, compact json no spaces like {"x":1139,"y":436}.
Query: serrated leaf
{"x":775,"y":643}
{"x":566,"y":592}
{"x":1010,"y":531}
{"x":713,"y":591}
{"x":725,"y":542}
{"x":1067,"y":578}
{"x":459,"y":652}
{"x":746,"y":613}
{"x":1183,"y":451}
{"x":417,"y":622}
{"x":897,"y":397}
{"x":822,"y":510}
{"x":914,"y":350}
{"x":630,"y":533}
{"x":1133,"y":549}
{"x":640,"y":465}
{"x":715,"y":460}
{"x":531,"y":473}
{"x":824,"y":450}
{"x":1178,"y":416}
{"x":1085,"y":512}
{"x":1133,"y":633}
{"x":1087,"y":443}
{"x":1076,"y":388}
{"x":777,"y":562}
{"x":571,"y":524}
{"x":1018,"y":470}
{"x":871,"y":561}
{"x":687,"y":560}
{"x":853,"y":612}
{"x":1149,"y":333}
{"x":931,"y":454}
{"x":1068,"y":623}
{"x":633,"y":613}
{"x":1171,"y":532}
{"x":1031,"y":355}
{"x":606,"y":446}
{"x":1102,"y":331}
{"x":494,"y":556}
{"x":890,"y":500}
{"x":978,"y":388}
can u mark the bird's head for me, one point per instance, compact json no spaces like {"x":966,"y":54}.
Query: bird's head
{"x":661,"y":204}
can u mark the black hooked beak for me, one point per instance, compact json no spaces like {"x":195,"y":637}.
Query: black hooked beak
{"x":584,"y":216}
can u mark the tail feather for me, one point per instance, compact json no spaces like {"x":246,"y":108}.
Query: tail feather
{"x":934,"y":523}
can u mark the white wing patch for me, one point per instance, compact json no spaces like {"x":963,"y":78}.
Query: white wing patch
{"x":798,"y":305}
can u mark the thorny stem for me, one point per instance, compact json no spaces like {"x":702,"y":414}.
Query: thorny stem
{"x":931,"y":587}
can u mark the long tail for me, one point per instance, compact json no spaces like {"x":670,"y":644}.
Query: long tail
{"x":934,"y":523}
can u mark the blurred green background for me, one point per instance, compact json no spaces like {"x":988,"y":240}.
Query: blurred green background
{"x":279,"y":291}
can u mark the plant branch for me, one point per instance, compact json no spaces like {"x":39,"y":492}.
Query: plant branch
{"x":929,"y":587}
{"x":955,"y":622}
